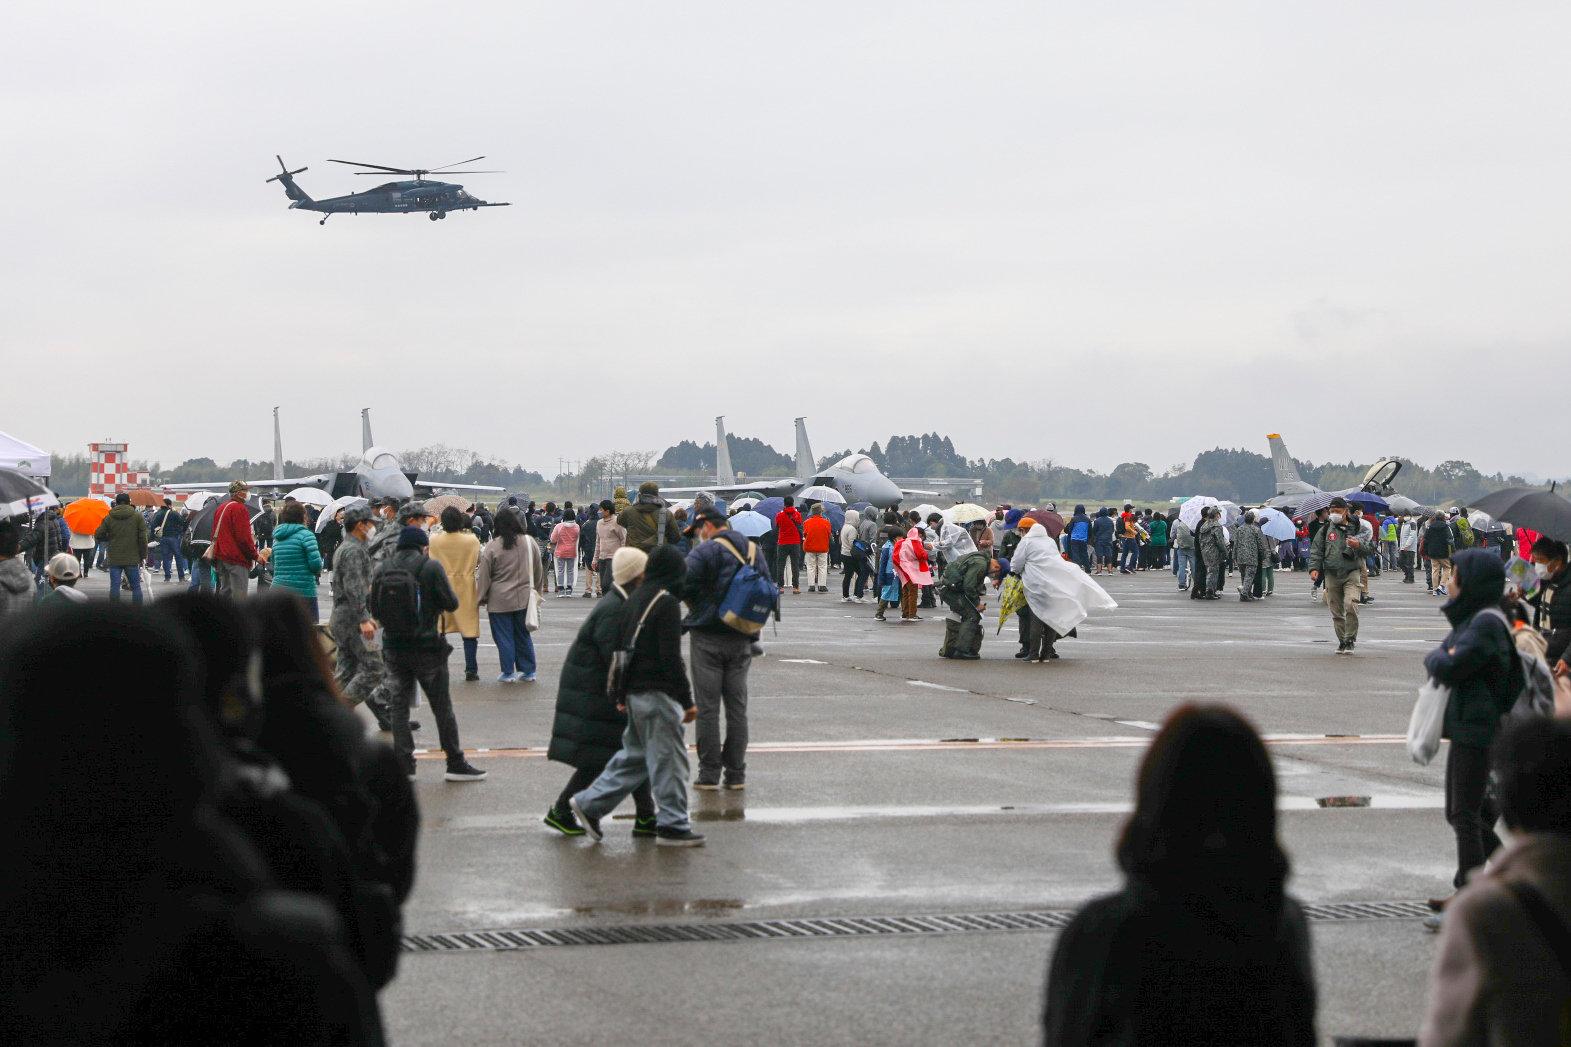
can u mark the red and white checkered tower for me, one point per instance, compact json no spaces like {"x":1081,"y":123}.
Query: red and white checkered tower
{"x":110,"y":470}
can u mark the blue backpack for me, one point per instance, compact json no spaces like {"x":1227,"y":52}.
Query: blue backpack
{"x":750,"y":598}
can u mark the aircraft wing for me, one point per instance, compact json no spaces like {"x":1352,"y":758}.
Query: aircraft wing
{"x":438,"y":485}
{"x":217,"y":485}
{"x":761,"y":486}
{"x":908,"y":493}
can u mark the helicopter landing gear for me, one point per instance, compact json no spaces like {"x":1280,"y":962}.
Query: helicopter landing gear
{"x":437,"y":215}
{"x":323,"y":221}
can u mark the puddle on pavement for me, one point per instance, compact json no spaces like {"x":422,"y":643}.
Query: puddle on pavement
{"x":662,"y":907}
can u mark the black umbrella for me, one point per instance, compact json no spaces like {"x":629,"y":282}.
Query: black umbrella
{"x":1531,"y":507}
{"x":21,"y":494}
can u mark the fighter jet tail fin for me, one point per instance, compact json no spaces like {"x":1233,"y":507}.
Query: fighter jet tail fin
{"x":365,"y":429}
{"x":1282,"y":463}
{"x":278,"y":449}
{"x":723,"y":471}
{"x":806,"y":464}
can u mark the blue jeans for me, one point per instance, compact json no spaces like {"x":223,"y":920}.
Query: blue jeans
{"x":1080,"y":553}
{"x":1183,"y":560}
{"x":316,"y":612}
{"x":132,"y":574}
{"x":169,"y":554}
{"x":1131,"y":555}
{"x":514,"y":647}
{"x":201,"y":576}
{"x":654,"y":750}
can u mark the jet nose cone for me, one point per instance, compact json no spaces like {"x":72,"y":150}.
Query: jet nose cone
{"x":889,"y":494}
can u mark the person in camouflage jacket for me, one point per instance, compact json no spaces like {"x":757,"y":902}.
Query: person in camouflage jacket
{"x":1249,"y":555}
{"x":361,"y":675}
{"x":1211,"y":543}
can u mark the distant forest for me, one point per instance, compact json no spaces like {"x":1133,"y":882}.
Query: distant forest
{"x":1239,"y":475}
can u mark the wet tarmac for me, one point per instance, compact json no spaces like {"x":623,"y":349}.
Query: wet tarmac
{"x":884,"y":782}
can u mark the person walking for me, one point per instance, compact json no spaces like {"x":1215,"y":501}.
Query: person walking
{"x":658,"y":702}
{"x":853,"y":558}
{"x":168,"y":529}
{"x":647,"y":521}
{"x":1183,"y":552}
{"x":564,"y":546}
{"x":508,"y":569}
{"x":1249,"y":556}
{"x":587,"y":729}
{"x":1407,"y":546}
{"x":788,"y":545}
{"x":457,"y":549}
{"x":1202,"y":945}
{"x":125,"y":533}
{"x":296,"y":558}
{"x":1439,"y":543}
{"x":409,"y":594}
{"x":722,"y":656}
{"x":234,"y":551}
{"x":609,"y":537}
{"x":816,"y":534}
{"x":1477,"y":661}
{"x":1335,"y":559}
{"x":360,"y":672}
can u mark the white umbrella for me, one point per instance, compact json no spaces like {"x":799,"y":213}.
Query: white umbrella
{"x":820,"y":493}
{"x":311,"y":496}
{"x":966,"y":513}
{"x":744,"y":502}
{"x":1274,"y":523}
{"x":348,"y":501}
{"x":925,"y":510}
{"x":197,"y":499}
{"x":1231,"y":513}
{"x":1189,"y":512}
{"x":751,"y":524}
{"x":1480,"y":519}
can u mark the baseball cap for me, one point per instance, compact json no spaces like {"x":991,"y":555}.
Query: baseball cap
{"x":63,"y":567}
{"x":358,"y":515}
{"x":236,"y":486}
{"x":703,"y":516}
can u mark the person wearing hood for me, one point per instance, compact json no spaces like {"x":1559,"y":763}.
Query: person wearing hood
{"x":1211,"y":540}
{"x":297,"y":559}
{"x":1337,"y":559}
{"x":853,"y":558}
{"x":648,"y":522}
{"x":911,"y":566}
{"x":1203,"y":943}
{"x":619,"y":500}
{"x":658,"y":702}
{"x":1438,"y":543}
{"x":1078,"y":534}
{"x":125,"y":532}
{"x":1249,"y":555}
{"x":1477,"y":660}
{"x":1059,"y":596}
{"x":16,"y":581}
{"x":587,"y":730}
{"x":414,"y":649}
{"x":1103,"y":533}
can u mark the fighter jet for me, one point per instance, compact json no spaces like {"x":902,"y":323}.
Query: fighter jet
{"x":1292,"y":489}
{"x":378,"y":474}
{"x":856,"y":476}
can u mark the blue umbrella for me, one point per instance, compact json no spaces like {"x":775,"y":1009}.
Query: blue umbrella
{"x":751,"y":524}
{"x":836,"y":514}
{"x":861,"y":507}
{"x":768,"y":508}
{"x":1372,"y":503}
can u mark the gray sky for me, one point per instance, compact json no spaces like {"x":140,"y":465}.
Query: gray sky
{"x":1095,"y":233}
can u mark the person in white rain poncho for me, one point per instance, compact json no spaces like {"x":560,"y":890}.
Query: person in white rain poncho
{"x":954,"y":542}
{"x":1060,"y":595}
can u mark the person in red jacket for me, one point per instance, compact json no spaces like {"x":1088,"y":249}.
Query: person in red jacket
{"x":788,"y":545}
{"x":815,"y":543}
{"x":234,"y":548}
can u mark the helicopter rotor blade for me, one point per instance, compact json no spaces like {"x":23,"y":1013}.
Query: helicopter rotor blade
{"x":444,"y":167}
{"x":446,"y":173}
{"x":379,"y":167}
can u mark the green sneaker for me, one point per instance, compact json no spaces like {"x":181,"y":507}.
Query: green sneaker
{"x":643,"y":826}
{"x":563,"y":822}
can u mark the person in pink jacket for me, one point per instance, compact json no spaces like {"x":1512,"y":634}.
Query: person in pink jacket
{"x":912,"y":569}
{"x":564,"y":547}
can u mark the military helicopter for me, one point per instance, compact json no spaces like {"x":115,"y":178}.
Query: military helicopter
{"x":434,"y":198}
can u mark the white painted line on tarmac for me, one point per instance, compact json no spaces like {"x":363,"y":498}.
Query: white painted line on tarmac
{"x":801,"y":661}
{"x":937,"y":686}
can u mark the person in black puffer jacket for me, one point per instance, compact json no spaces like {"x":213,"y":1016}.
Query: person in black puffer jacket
{"x":1478,"y":662}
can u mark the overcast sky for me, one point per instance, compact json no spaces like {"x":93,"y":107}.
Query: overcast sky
{"x":1095,"y":233}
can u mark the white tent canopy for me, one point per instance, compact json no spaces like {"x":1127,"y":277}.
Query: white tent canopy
{"x":24,"y":457}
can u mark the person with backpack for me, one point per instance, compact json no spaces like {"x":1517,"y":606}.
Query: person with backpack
{"x":853,"y":558}
{"x":408,"y":596}
{"x":651,"y":686}
{"x":1438,"y":544}
{"x":648,"y":522}
{"x":168,"y":529}
{"x":729,"y":595}
{"x":1478,"y":662}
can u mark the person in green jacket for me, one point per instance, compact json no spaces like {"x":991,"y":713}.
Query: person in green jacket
{"x":1337,"y":555}
{"x":297,"y":559}
{"x":963,"y":582}
{"x":1158,"y":543}
{"x":126,"y":534}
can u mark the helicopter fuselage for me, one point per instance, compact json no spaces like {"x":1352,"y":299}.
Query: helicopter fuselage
{"x":398,"y":197}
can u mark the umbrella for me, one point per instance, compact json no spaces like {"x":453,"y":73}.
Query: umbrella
{"x":860,"y":507}
{"x":1274,"y":523}
{"x":196,"y":499}
{"x":1010,"y":599}
{"x":820,"y":493}
{"x":1313,"y":503}
{"x":751,"y":524}
{"x":434,"y":506}
{"x":348,"y":501}
{"x":1189,"y":512}
{"x":836,"y":515}
{"x":1535,"y":508}
{"x":966,"y":512}
{"x":745,"y":502}
{"x":925,"y":510}
{"x":311,"y":496}
{"x":146,"y":497}
{"x":1231,"y":513}
{"x":20,"y":494}
{"x":1050,"y":520}
{"x":85,"y":514}
{"x":769,"y":508}
{"x":1371,"y":503}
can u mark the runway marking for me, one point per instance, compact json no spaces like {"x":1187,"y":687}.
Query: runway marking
{"x":962,"y":744}
{"x":938,"y":686}
{"x":801,"y":661}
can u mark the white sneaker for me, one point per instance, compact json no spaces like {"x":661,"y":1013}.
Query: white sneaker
{"x":847,"y":599}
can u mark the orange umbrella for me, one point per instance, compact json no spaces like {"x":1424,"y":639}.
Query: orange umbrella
{"x":146,"y":498}
{"x":85,"y":514}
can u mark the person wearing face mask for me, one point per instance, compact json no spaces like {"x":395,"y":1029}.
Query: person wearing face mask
{"x":1552,"y":605}
{"x":1366,"y":535}
{"x":1335,"y":558}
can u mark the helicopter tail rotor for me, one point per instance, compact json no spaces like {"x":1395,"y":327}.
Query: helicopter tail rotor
{"x":287,"y":177}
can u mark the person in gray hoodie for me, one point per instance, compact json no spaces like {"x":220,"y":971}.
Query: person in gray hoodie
{"x":16,"y":581}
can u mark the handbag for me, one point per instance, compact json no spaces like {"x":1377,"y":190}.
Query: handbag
{"x":532,"y":608}
{"x":1428,"y":719}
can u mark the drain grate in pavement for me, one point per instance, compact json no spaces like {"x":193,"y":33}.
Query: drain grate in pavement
{"x":829,"y":927}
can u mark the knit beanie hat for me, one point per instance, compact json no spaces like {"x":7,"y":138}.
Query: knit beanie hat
{"x":412,"y":538}
{"x":627,"y":563}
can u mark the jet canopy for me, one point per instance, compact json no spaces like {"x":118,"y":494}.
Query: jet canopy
{"x":1380,"y":475}
{"x":381,"y":458}
{"x":856,"y":463}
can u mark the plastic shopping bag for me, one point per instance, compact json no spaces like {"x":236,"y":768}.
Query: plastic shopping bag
{"x":1429,"y":714}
